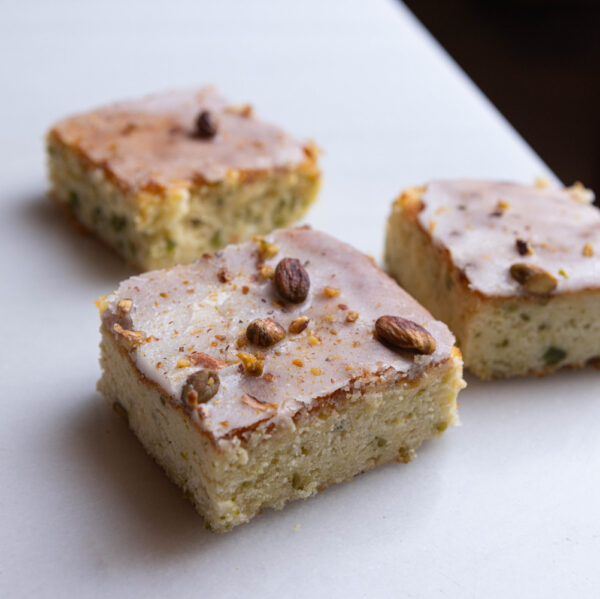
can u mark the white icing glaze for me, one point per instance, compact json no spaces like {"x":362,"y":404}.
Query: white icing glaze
{"x":198,"y":308}
{"x":458,"y":215}
{"x":150,"y":141}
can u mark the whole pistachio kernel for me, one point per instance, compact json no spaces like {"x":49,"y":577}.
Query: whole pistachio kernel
{"x":206,"y":125}
{"x":291,"y":280}
{"x":401,"y":333}
{"x":534,"y":279}
{"x":200,"y":387}
{"x":264,"y":332}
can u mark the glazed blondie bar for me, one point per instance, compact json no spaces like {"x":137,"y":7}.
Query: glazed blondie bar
{"x":269,"y":370}
{"x":169,"y":177}
{"x":514,"y":270}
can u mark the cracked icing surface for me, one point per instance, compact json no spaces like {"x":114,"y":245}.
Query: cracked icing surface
{"x":187,"y":308}
{"x":150,"y":142}
{"x":478,"y":222}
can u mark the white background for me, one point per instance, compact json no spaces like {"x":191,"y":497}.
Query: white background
{"x":508,"y":505}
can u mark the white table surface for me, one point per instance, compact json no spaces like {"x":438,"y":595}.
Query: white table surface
{"x":507,"y":505}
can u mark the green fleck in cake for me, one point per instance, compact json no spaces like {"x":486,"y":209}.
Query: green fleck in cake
{"x":514,"y":270}
{"x":168,"y":177}
{"x":272,"y":369}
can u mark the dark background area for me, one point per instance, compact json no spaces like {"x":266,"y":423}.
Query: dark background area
{"x":539,"y":63}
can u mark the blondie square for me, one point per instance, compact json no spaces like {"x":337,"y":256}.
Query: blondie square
{"x":514,"y":270}
{"x":269,"y":370}
{"x":169,"y":177}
